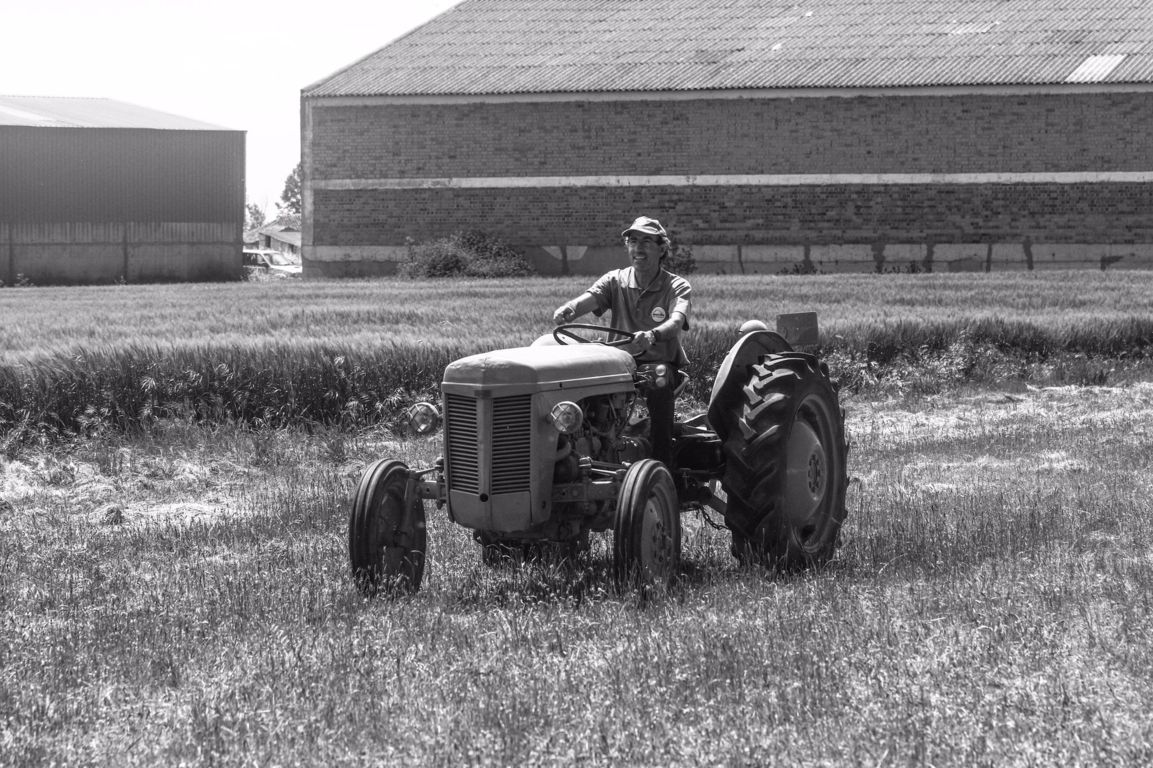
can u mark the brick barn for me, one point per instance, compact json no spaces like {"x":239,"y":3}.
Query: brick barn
{"x":840,"y":135}
{"x":100,"y":191}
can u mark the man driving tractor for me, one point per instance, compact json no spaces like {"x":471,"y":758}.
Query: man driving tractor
{"x":651,"y":302}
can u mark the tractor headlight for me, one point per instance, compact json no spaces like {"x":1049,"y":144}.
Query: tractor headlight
{"x":423,"y":418}
{"x":567,"y":417}
{"x":661,"y":379}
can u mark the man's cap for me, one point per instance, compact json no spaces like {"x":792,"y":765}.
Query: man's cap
{"x":646,"y":226}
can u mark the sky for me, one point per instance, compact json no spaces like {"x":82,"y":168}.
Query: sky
{"x":238,"y":64}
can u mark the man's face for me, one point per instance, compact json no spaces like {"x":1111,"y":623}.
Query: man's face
{"x":645,"y":251}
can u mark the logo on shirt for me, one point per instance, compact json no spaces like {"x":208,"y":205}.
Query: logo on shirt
{"x":659,"y":315}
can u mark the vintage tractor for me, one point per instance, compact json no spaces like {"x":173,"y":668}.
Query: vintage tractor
{"x":542,"y":447}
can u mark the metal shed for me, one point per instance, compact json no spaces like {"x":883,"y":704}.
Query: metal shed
{"x":99,"y":191}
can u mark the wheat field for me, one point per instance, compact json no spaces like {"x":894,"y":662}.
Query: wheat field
{"x":76,"y":360}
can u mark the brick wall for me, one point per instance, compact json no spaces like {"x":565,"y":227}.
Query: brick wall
{"x":356,"y":154}
{"x":740,"y":215}
{"x":978,"y":133}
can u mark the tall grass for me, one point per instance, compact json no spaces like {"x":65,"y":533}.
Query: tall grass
{"x":134,"y":386}
{"x":48,"y":321}
{"x":351,"y":353}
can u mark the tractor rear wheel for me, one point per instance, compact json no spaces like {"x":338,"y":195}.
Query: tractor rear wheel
{"x":647,"y":530}
{"x":387,"y":538}
{"x":785,"y":470}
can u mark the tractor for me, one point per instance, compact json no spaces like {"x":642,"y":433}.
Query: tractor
{"x":545,"y":444}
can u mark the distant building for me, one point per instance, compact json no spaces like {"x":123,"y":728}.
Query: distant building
{"x":279,"y":237}
{"x":825,"y":134}
{"x":98,"y":191}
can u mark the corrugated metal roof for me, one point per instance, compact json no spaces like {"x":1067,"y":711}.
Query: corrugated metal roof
{"x":1095,"y":68}
{"x":68,"y":112}
{"x":577,"y":46}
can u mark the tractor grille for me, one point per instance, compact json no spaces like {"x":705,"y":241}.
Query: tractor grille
{"x":509,"y":423}
{"x":511,"y":443}
{"x":461,"y":442}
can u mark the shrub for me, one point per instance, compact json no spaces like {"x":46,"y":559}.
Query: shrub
{"x":680,"y":260}
{"x":468,"y":254}
{"x":802,"y":268}
{"x":438,"y":258}
{"x":20,"y":282}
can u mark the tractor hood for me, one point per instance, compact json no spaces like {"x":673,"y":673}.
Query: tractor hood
{"x":543,"y":367}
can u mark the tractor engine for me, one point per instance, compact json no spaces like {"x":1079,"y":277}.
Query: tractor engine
{"x":518,"y":421}
{"x":600,"y":437}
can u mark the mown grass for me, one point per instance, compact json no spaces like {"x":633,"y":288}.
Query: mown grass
{"x":990,"y":606}
{"x":352,"y":353}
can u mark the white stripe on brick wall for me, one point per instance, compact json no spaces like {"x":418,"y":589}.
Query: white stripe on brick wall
{"x":734,"y":180}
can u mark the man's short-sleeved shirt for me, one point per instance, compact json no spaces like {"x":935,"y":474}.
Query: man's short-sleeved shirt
{"x":636,"y":309}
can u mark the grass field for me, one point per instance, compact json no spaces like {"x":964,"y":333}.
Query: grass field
{"x":179,"y":594}
{"x":79,"y":359}
{"x":362,"y":315}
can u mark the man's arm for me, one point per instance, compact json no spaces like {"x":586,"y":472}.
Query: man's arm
{"x":669,"y":329}
{"x":571,"y":310}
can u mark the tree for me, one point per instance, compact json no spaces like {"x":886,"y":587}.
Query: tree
{"x":254,"y":216}
{"x":290,"y":197}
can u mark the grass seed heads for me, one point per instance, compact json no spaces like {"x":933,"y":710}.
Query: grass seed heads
{"x":358,"y":353}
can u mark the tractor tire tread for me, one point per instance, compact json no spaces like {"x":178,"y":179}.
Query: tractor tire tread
{"x":779,"y":386}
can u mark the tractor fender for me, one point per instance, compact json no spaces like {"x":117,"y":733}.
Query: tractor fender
{"x":734,"y":372}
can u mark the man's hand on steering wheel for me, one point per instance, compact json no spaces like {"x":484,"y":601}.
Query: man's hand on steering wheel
{"x":641,"y":342}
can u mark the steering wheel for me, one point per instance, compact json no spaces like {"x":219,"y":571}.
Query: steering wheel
{"x":569,"y":331}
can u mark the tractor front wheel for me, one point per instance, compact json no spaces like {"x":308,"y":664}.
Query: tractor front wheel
{"x":387,"y":538}
{"x":647,"y":530}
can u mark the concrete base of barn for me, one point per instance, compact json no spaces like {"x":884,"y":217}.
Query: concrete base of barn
{"x":559,"y":260}
{"x":79,"y":253}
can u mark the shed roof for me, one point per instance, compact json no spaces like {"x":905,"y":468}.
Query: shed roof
{"x":575,"y":46}
{"x":75,"y":112}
